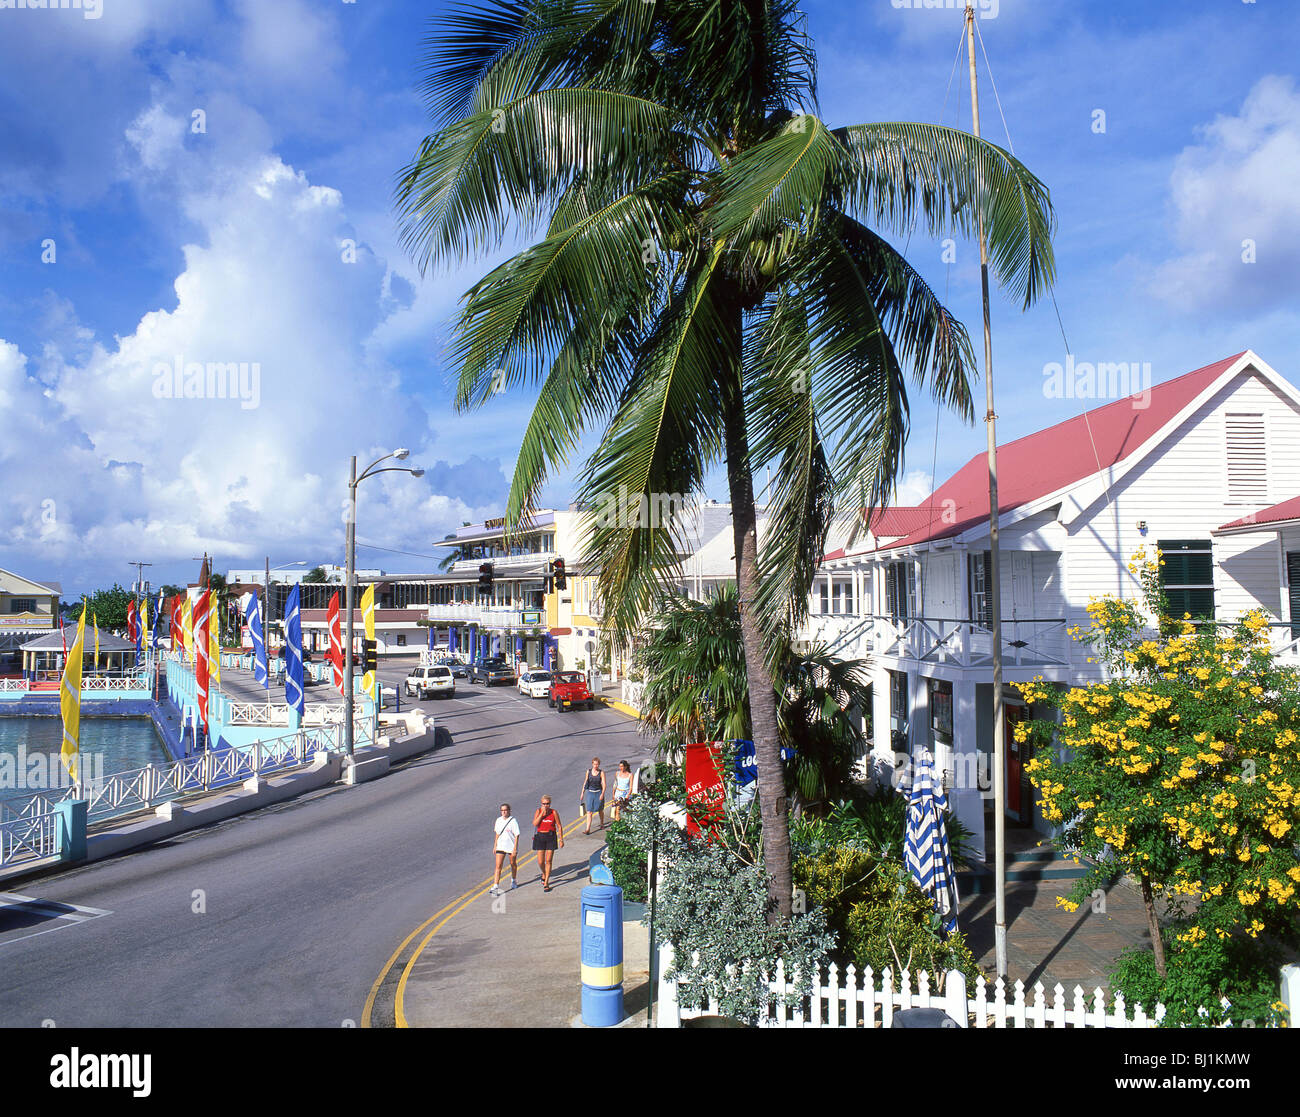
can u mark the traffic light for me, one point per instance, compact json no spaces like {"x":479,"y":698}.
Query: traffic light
{"x":370,"y":655}
{"x":557,"y":568}
{"x":485,"y":578}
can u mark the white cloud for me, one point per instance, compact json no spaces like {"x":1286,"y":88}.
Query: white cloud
{"x":131,"y":472}
{"x":913,"y":488}
{"x":1233,"y":195}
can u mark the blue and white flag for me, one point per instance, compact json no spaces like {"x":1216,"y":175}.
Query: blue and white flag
{"x":293,"y":693}
{"x":451,"y":638}
{"x":157,"y":622}
{"x":260,"y":673}
{"x":926,"y":852}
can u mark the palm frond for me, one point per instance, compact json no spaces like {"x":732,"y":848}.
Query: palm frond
{"x":659,"y":445}
{"x":949,"y":178}
{"x":471,"y":182}
{"x":775,"y":189}
{"x":784,"y":431}
{"x":520,"y":316}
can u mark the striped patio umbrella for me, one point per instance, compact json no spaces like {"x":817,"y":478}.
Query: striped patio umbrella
{"x":927,"y":855}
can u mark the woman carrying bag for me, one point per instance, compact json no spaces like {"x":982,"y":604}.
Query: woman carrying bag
{"x":593,"y":793}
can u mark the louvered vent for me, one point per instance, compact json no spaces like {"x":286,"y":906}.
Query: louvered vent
{"x":1247,"y":470}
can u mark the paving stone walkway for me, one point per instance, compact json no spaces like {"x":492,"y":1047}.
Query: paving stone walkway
{"x":1049,"y":944}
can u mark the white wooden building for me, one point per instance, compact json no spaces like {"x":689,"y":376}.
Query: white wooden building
{"x":1206,"y":466}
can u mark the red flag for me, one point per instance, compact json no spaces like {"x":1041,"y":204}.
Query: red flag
{"x":336,"y":642}
{"x":705,"y":794}
{"x":176,"y":622}
{"x":132,"y":622}
{"x":201,"y":655}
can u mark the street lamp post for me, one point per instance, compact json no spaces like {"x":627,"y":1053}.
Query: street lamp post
{"x":353,"y":482}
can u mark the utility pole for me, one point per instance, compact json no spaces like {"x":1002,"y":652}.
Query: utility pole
{"x":995,"y":588}
{"x":139,"y":587}
{"x":266,"y":591}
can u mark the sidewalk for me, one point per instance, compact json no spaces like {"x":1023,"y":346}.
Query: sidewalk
{"x":1049,"y":944}
{"x":513,"y":961}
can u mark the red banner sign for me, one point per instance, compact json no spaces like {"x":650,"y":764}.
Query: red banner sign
{"x":705,"y":794}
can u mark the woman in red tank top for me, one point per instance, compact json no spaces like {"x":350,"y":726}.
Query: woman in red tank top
{"x":548,"y":833}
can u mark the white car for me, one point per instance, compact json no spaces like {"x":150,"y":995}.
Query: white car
{"x":535,"y":683}
{"x":425,"y":682}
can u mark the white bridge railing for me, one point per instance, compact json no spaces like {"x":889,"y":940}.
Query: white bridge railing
{"x":29,"y":837}
{"x":110,"y":682}
{"x":314,"y":713}
{"x":90,"y":683}
{"x":145,"y":788}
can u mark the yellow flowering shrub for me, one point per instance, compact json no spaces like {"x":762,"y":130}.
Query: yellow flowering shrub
{"x":1182,"y":769}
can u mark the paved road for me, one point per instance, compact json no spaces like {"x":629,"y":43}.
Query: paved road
{"x":285,"y":917}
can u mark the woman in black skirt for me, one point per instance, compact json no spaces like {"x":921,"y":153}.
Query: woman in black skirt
{"x":548,"y":833}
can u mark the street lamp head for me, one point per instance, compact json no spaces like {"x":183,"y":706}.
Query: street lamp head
{"x":417,"y":472}
{"x":402,"y":454}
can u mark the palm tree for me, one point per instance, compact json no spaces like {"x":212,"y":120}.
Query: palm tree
{"x":709,"y":286}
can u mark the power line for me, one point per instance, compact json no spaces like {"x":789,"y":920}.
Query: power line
{"x":394,"y":551}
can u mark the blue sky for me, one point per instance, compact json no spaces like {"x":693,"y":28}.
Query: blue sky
{"x":220,"y":237}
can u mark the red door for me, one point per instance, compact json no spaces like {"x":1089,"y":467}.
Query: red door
{"x":1012,"y":716}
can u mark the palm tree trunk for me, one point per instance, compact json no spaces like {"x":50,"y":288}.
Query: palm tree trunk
{"x":762,"y":697}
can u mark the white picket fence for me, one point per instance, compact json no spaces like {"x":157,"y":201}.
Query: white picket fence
{"x":840,"y":1000}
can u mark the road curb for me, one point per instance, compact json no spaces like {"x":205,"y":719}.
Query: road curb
{"x":622,"y":708}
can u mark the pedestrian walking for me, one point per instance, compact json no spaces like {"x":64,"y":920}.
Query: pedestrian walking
{"x":593,"y":793}
{"x":622,"y":786}
{"x":548,"y":833}
{"x":505,"y":843}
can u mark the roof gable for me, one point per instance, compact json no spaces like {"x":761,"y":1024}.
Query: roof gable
{"x":1062,"y":455}
{"x":12,"y":583}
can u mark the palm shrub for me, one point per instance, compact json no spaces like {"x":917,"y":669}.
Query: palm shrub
{"x":697,"y":689}
{"x":712,"y":284}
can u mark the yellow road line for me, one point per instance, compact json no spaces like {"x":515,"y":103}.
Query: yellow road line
{"x":468,"y":896}
{"x":374,"y":989}
{"x":399,"y":1016}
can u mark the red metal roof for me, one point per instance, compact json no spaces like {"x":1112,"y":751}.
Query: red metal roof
{"x":1279,"y":513}
{"x":1041,"y":463}
{"x":896,"y":521}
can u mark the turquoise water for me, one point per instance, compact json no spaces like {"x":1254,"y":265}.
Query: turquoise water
{"x":29,"y":750}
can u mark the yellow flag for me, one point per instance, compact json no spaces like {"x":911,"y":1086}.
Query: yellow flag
{"x":95,"y":621}
{"x":369,"y":681}
{"x":187,"y":625}
{"x":70,"y":699}
{"x":214,"y":650}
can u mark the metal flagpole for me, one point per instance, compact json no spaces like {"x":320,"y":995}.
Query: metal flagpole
{"x":995,"y":588}
{"x":349,"y":730}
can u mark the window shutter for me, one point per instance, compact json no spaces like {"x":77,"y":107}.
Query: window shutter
{"x":1247,"y":470}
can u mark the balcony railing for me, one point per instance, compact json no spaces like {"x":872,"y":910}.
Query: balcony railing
{"x":533,"y":563}
{"x":487,"y":616}
{"x":954,"y":641}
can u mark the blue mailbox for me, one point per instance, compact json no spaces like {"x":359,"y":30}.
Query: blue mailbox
{"x":602,"y":955}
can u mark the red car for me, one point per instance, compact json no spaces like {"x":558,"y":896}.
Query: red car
{"x":569,"y":691}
